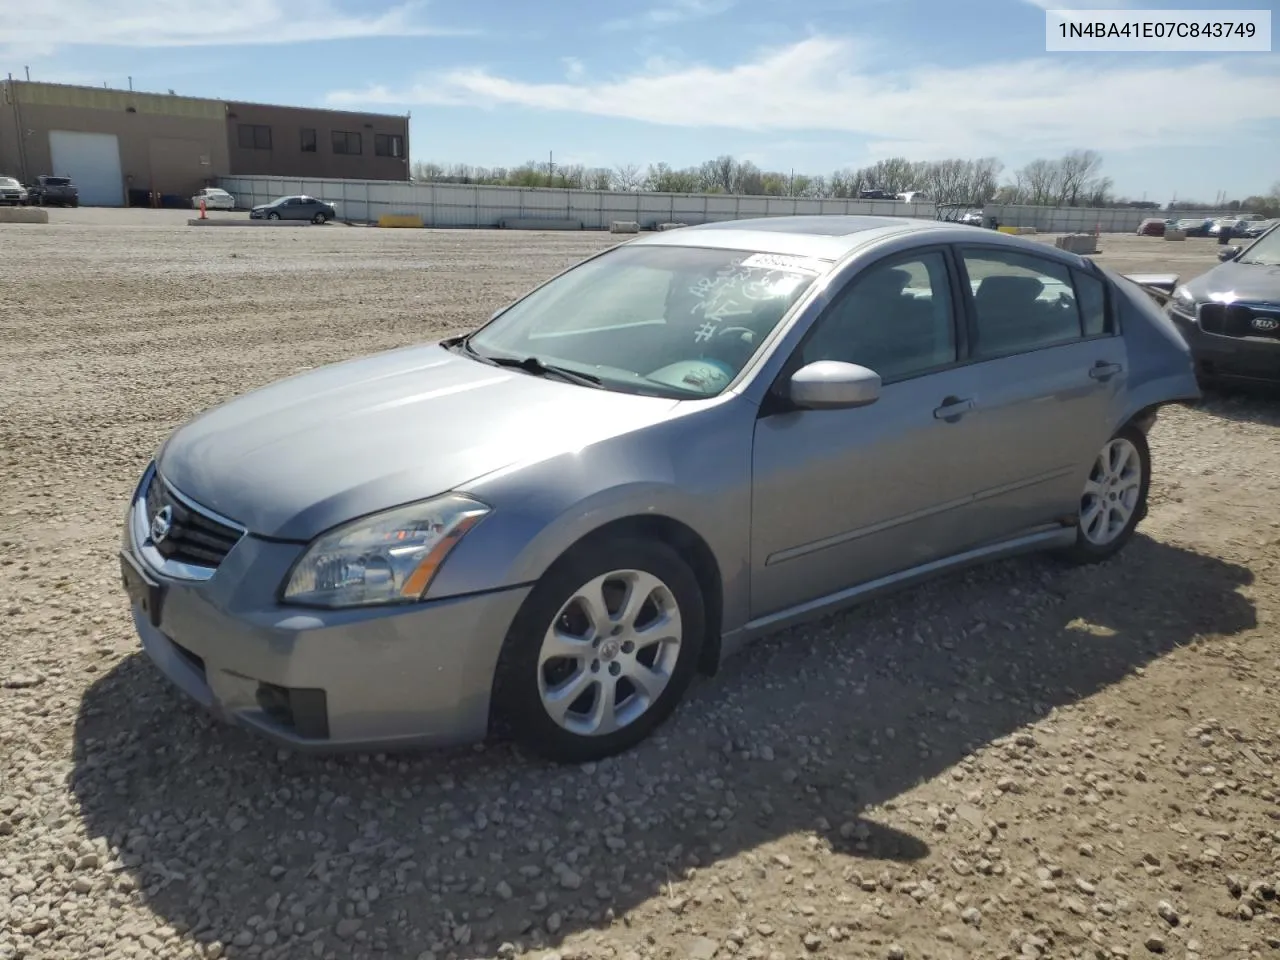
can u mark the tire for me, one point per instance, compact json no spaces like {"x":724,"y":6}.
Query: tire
{"x":273,"y":215}
{"x":524,"y":675}
{"x":1096,"y":543}
{"x":319,"y":219}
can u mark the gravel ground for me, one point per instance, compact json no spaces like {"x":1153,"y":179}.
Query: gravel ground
{"x":1020,"y":761}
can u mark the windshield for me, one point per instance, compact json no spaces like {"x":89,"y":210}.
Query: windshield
{"x":8,"y":182}
{"x":677,"y":322}
{"x":57,"y":181}
{"x":1264,"y":251}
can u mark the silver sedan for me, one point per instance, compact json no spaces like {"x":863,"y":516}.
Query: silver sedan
{"x":545,"y":528}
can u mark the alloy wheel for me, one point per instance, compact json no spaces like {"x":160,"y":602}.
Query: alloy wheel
{"x":1112,"y":492}
{"x":609,"y":653}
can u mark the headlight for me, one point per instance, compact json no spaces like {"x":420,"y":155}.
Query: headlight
{"x":1182,"y":298}
{"x":389,"y":557}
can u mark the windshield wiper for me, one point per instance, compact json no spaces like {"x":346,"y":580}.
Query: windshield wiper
{"x":535,"y":366}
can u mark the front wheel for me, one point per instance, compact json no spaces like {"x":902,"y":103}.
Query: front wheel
{"x":601,"y":652}
{"x":1114,"y":499}
{"x":273,"y":215}
{"x":319,"y":219}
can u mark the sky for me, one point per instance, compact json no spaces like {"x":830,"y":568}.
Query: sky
{"x":807,"y":85}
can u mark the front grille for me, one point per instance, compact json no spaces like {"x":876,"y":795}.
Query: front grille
{"x":1240,"y":320}
{"x":194,"y":537}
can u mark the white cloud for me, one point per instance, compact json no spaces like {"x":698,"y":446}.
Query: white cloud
{"x":672,"y":12}
{"x":823,"y":84}
{"x":188,"y":23}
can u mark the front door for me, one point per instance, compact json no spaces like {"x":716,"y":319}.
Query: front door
{"x":841,"y":497}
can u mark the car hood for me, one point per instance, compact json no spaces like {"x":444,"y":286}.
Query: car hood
{"x":1242,"y":281}
{"x":303,"y":454}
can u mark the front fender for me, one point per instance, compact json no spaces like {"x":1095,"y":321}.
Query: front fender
{"x":695,"y":470}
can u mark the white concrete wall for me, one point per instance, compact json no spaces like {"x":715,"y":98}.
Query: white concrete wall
{"x":1070,"y":219}
{"x":467,"y":205}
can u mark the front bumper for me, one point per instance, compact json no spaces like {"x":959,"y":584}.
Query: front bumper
{"x":386,"y":678}
{"x":1247,"y":359}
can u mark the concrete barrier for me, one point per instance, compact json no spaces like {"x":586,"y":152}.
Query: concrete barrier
{"x":400,"y":220}
{"x":671,"y":226}
{"x":624,"y":226}
{"x":1175,"y":234}
{"x":211,"y":222}
{"x":23,"y":215}
{"x":534,"y":223}
{"x":1081,"y":243}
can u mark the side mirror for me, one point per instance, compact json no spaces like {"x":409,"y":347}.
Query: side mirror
{"x":1228,"y":253}
{"x":834,"y":385}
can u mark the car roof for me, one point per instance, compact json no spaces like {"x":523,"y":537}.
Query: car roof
{"x":834,"y":236}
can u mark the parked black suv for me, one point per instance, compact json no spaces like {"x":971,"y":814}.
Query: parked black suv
{"x":1230,"y":316}
{"x":50,"y":191}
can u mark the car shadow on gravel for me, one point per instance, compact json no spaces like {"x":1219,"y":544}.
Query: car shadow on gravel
{"x":1254,"y":403}
{"x":805,"y":743}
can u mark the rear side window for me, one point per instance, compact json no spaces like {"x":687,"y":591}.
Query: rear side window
{"x":1091,"y":294}
{"x":1021,"y":302}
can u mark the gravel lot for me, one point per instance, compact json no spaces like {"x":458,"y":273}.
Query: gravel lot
{"x":1018,"y":761}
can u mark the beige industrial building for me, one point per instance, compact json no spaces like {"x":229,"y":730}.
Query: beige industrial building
{"x":122,"y":147}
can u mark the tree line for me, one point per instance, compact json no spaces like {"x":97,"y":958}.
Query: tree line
{"x":1072,"y":180}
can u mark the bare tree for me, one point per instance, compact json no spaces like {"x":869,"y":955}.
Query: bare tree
{"x":1077,"y":176}
{"x":626,"y":177}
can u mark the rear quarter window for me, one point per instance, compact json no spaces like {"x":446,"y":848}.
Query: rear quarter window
{"x":1091,"y":296}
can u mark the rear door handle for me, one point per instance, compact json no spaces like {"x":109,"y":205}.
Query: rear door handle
{"x":952,"y":409}
{"x":1104,"y":371}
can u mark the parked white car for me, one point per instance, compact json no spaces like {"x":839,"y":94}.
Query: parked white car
{"x":214,"y":199}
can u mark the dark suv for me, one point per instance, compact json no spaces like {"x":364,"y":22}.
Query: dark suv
{"x":50,"y":191}
{"x":1230,"y":316}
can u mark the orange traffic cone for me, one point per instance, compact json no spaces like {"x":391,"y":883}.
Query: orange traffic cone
{"x":202,"y":213}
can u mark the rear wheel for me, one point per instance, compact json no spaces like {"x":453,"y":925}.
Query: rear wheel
{"x":601,"y":652}
{"x":1114,"y":499}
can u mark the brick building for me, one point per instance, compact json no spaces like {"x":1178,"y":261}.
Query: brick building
{"x":124,"y":147}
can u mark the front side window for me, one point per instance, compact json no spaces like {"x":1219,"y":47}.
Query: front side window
{"x":679,"y":322}
{"x":1022,"y":302}
{"x":895,"y":318}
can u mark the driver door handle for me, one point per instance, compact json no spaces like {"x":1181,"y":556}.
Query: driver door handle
{"x":952,"y":409}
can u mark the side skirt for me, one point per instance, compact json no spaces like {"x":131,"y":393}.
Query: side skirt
{"x":1033,"y":542}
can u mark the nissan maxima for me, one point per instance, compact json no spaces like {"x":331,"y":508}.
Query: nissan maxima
{"x":545,"y":528}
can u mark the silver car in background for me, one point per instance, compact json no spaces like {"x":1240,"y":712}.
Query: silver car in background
{"x":545,"y":528}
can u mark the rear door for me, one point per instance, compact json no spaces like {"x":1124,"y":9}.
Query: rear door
{"x":1050,"y":371}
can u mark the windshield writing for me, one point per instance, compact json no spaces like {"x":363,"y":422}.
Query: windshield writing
{"x":672,"y":321}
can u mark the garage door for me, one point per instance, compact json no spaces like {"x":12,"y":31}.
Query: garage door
{"x":92,"y":161}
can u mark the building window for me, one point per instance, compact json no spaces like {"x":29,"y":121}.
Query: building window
{"x":255,"y":137}
{"x":344,"y":142}
{"x":388,"y":145}
{"x":308,"y":140}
